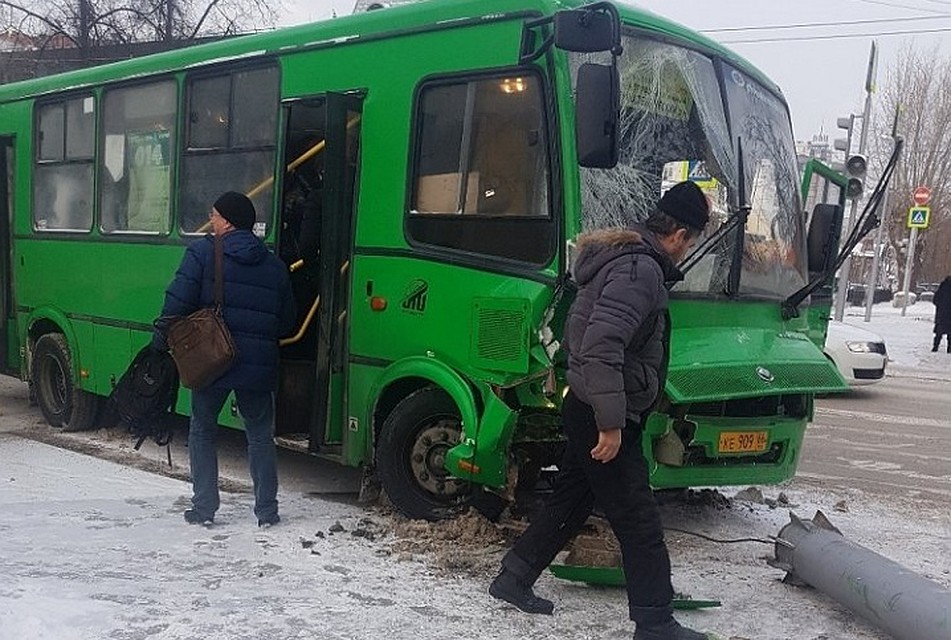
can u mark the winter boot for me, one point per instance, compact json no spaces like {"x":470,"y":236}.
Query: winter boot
{"x":514,"y":590}
{"x":657,"y":623}
{"x":193,"y":517}
{"x":937,"y":342}
{"x":670,"y":630}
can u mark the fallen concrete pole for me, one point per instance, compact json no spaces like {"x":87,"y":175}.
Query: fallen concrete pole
{"x":899,"y":601}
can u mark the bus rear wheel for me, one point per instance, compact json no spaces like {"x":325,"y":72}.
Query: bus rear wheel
{"x":63,"y":403}
{"x":411,"y":452}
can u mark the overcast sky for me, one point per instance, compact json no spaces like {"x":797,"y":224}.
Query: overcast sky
{"x":821,"y":72}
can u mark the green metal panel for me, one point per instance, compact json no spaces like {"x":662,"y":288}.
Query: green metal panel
{"x":112,"y":353}
{"x":499,"y":334}
{"x":722,"y":351}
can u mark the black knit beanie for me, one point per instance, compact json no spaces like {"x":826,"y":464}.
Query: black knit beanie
{"x":686,"y":203}
{"x":237,"y":209}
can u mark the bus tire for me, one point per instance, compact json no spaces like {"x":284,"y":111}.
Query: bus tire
{"x":63,"y":403}
{"x":410,"y":453}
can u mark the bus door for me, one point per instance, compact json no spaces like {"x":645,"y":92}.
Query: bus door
{"x":821,"y":185}
{"x":321,"y":154}
{"x":7,"y":342}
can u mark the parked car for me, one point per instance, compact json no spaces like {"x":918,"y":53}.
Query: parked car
{"x":858,"y":353}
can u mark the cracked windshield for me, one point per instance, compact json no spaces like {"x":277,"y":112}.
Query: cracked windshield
{"x":674,"y":127}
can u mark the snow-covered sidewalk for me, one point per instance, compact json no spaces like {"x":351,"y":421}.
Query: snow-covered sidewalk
{"x":908,"y":338}
{"x":90,"y":549}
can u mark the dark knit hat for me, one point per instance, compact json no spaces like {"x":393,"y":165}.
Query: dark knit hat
{"x":237,"y":209}
{"x":686,"y":203}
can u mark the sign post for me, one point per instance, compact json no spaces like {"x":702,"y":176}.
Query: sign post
{"x":918,"y":218}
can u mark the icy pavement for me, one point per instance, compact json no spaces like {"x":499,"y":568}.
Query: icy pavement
{"x":92,"y":550}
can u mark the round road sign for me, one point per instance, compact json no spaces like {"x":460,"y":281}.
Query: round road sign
{"x":921,"y":196}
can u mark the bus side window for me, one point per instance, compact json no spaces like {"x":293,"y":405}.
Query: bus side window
{"x":492,"y":130}
{"x":138,"y":141}
{"x":230,"y":143}
{"x":63,"y":179}
{"x":481,"y":168}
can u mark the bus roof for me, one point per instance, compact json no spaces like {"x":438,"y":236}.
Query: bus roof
{"x":351,"y":29}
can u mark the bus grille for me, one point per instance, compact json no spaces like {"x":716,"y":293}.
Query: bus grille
{"x":736,"y":381}
{"x":500,"y":336}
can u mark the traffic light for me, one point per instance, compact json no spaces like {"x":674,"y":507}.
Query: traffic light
{"x":856,"y":165}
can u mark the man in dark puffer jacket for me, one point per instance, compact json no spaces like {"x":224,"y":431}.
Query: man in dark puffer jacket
{"x":258,"y":308}
{"x":618,"y":335}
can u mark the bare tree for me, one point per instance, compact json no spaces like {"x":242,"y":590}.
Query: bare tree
{"x":91,"y":23}
{"x":918,"y":85}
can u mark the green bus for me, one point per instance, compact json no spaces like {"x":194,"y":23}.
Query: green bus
{"x":423,"y":170}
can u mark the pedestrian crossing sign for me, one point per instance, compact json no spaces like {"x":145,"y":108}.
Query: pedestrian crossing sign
{"x":918,"y":217}
{"x":696,"y":172}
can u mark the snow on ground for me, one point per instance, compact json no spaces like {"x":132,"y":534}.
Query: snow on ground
{"x":91,"y":550}
{"x":908,"y":338}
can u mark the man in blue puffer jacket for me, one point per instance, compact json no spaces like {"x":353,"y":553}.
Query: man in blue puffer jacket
{"x":258,"y":309}
{"x":618,"y":336}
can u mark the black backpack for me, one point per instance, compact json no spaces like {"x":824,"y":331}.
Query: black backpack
{"x":144,"y":397}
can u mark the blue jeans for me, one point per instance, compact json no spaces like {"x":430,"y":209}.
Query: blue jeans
{"x":257,"y":411}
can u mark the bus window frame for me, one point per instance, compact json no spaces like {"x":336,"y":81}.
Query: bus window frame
{"x":175,"y":154}
{"x":546,"y":102}
{"x":36,"y":162}
{"x":185,"y":151}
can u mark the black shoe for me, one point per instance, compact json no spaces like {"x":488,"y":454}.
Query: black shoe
{"x":508,"y":587}
{"x":267,"y":523}
{"x":670,"y":629}
{"x":193,"y":517}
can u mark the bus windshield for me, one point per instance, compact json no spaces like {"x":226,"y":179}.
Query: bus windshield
{"x":678,"y":124}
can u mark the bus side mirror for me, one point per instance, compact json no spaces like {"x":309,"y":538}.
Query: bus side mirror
{"x":596,"y":118}
{"x":822,"y":243}
{"x":585,"y":31}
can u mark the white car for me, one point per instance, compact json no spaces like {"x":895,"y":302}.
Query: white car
{"x":858,"y":353}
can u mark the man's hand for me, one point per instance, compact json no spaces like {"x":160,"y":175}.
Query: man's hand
{"x":609,"y":443}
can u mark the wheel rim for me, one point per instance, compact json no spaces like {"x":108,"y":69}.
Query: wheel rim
{"x":428,"y":456}
{"x":54,"y":383}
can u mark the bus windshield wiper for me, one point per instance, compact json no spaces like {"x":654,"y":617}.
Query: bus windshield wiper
{"x":737,"y":220}
{"x":707,"y":245}
{"x":867,"y":221}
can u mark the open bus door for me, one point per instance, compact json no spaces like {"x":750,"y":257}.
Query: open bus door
{"x":7,"y":341}
{"x":316,"y":242}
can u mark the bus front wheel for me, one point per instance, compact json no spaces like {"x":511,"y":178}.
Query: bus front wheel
{"x":63,"y":403}
{"x":411,"y":453}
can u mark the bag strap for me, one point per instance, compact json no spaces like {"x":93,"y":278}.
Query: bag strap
{"x":219,"y":273}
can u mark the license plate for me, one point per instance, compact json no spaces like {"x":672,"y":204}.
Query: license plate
{"x":742,"y":442}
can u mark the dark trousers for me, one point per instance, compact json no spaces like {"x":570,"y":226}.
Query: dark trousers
{"x":621,"y":489}
{"x":937,"y":341}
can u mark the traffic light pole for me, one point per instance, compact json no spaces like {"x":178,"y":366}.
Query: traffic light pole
{"x":842,"y":291}
{"x":872,"y":283}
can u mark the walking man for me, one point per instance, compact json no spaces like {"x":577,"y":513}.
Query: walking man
{"x":618,"y":335}
{"x":942,"y":314}
{"x":258,"y":308}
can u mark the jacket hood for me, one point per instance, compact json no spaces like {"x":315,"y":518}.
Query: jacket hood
{"x":242,"y":246}
{"x":597,"y":248}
